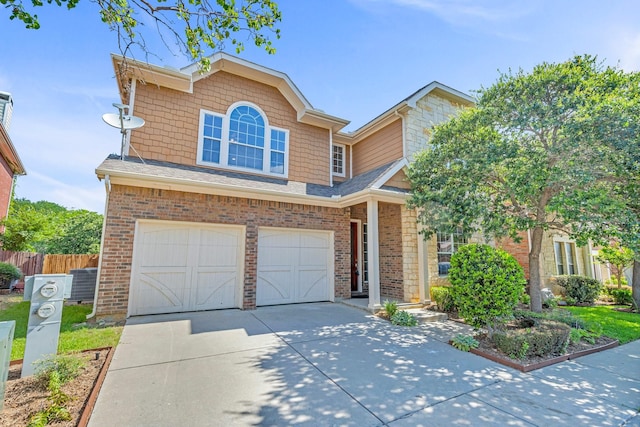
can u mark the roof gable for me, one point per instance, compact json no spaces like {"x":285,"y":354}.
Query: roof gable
{"x":183,"y":79}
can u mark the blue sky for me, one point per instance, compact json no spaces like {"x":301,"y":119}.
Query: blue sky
{"x":351,"y":58}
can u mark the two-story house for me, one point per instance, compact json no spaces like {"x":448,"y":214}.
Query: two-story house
{"x":238,"y":193}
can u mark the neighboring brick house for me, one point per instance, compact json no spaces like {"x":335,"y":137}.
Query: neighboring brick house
{"x":10,"y":163}
{"x":560,"y":256}
{"x":238,"y":193}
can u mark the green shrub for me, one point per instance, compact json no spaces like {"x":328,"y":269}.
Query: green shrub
{"x":390,"y":307}
{"x":584,"y":290}
{"x":614,"y":281}
{"x":65,"y":366}
{"x":464,"y":342}
{"x":403,"y":318}
{"x":441,"y":295}
{"x":8,"y":273}
{"x":620,"y":296}
{"x":486,"y":284}
{"x":534,"y":337}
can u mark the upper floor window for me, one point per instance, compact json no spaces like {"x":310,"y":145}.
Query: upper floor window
{"x":447,"y":245}
{"x":337,"y":159}
{"x":242,"y":140}
{"x":565,"y":253}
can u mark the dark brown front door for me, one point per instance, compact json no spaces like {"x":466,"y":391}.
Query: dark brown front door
{"x":354,"y":257}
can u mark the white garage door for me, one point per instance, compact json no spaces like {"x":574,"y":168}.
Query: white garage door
{"x":294,"y":266}
{"x":186,"y":267}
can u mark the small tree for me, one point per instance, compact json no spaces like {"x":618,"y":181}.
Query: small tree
{"x":486,"y":284}
{"x":541,"y":151}
{"x":617,"y":258}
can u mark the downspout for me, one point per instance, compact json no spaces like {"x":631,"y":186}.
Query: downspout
{"x":107,"y":185}
{"x":331,"y":157}
{"x":13,"y":189}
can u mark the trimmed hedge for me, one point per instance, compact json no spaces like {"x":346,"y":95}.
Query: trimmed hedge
{"x":486,"y":284}
{"x":581,"y":289}
{"x":621,"y":296}
{"x":441,"y":295}
{"x":8,"y":273}
{"x":535,"y":337}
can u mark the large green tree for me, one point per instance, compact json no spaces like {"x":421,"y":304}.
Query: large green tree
{"x":195,"y":26}
{"x":47,"y":227}
{"x":532,"y":156}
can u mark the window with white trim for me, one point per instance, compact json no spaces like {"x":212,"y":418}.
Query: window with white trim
{"x":565,"y":253}
{"x":337,"y":159}
{"x":243,"y":140}
{"x":447,"y":245}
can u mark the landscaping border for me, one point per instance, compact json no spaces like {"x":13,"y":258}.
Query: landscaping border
{"x":544,"y":363}
{"x":90,"y":403}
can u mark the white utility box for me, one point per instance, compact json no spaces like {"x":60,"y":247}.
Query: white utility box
{"x":45,"y":316}
{"x":7,"y":329}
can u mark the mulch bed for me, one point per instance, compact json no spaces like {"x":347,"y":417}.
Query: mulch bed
{"x":487,"y":349}
{"x":24,"y":397}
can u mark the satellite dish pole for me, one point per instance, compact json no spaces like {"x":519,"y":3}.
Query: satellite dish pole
{"x":124,"y":122}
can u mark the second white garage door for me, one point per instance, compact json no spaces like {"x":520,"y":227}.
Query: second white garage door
{"x":186,"y":267}
{"x":294,"y":266}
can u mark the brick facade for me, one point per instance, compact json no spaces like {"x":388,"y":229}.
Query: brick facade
{"x":6,"y":187}
{"x":126,"y":204}
{"x":390,"y":239}
{"x":520,"y":250}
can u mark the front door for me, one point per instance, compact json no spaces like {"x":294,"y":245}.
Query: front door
{"x":355,"y":273}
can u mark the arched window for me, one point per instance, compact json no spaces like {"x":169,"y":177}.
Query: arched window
{"x":246,"y":138}
{"x":242,"y":140}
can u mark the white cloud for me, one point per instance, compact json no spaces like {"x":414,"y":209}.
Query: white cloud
{"x":88,"y":195}
{"x":462,"y":12}
{"x":626,"y":48}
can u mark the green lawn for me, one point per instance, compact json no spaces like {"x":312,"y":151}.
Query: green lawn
{"x":72,"y":338}
{"x":624,"y":327}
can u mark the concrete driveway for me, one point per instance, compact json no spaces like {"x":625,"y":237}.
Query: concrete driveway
{"x":329,"y":364}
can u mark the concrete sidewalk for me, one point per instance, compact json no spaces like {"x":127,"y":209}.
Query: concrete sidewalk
{"x":329,"y":364}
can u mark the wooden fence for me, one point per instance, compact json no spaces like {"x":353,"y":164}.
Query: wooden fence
{"x":28,"y":262}
{"x":62,"y":264}
{"x":33,"y":263}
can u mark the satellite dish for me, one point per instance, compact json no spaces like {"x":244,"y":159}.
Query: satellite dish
{"x":123,"y":123}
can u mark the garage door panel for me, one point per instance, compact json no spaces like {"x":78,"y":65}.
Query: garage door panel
{"x":314,"y":240}
{"x":215,"y":289}
{"x":160,"y":291}
{"x":313,"y":285}
{"x":312,"y":257}
{"x":274,"y":286}
{"x":186,"y":267}
{"x":293,"y":266}
{"x":163,"y":250}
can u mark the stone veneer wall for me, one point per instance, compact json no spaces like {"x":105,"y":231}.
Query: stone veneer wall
{"x":126,"y":204}
{"x":410,"y":268}
{"x":429,"y":111}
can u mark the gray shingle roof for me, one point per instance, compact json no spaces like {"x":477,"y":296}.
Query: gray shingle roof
{"x":202,"y":175}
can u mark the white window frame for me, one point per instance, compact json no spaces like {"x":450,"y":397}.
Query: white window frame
{"x":343,"y":148}
{"x":566,"y":247}
{"x":224,"y":145}
{"x":454,"y":248}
